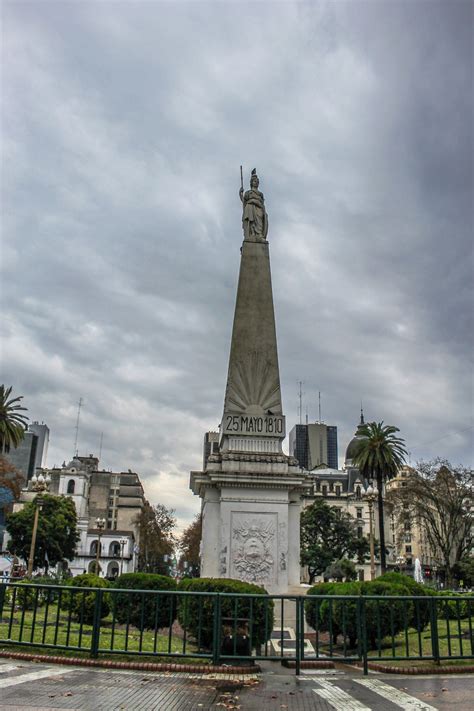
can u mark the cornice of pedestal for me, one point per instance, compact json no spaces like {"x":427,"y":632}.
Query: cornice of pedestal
{"x":293,"y":479}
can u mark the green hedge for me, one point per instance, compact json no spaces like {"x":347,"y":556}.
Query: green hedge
{"x":320,"y":613}
{"x":144,"y":611}
{"x":196,"y":613}
{"x":382,"y":617}
{"x":27,"y":597}
{"x":420,"y":609}
{"x":461,"y":606}
{"x":82,"y":604}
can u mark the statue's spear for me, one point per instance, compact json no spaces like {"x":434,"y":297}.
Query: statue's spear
{"x":241,"y":179}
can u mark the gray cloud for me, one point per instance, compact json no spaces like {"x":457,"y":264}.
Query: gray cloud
{"x":123,"y":130}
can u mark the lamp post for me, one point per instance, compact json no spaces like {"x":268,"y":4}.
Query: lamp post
{"x":123,"y":542}
{"x":100,"y":525}
{"x":371,"y":494}
{"x":401,"y":560}
{"x":40,"y":485}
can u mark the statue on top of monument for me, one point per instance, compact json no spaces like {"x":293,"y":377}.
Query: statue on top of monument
{"x":254,"y":216}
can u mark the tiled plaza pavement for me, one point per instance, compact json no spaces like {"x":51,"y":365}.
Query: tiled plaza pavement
{"x":40,"y":686}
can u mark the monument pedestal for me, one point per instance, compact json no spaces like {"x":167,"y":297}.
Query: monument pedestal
{"x":251,"y":517}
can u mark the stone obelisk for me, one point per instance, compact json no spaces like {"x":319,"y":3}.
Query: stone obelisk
{"x":251,"y":490}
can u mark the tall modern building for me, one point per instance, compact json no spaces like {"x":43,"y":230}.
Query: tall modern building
{"x":42,"y":432}
{"x":32,"y":450}
{"x":23,"y":457}
{"x":314,"y":444}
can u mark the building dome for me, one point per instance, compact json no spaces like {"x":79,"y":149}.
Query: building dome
{"x":354,"y":444}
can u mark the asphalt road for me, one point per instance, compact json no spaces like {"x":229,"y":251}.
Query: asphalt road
{"x":41,"y":686}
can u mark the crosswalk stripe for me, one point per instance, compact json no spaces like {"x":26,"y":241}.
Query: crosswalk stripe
{"x":32,"y":676}
{"x":4,"y":668}
{"x":338,"y":698}
{"x":396,"y":696}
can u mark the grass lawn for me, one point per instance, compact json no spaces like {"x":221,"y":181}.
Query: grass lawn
{"x":53,"y":626}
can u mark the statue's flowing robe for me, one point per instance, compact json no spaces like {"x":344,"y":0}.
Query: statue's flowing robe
{"x":254,"y":217}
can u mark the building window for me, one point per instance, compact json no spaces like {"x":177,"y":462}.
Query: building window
{"x":318,"y":486}
{"x":358,"y":492}
{"x":407,"y":549}
{"x":114,"y":549}
{"x":361,"y":575}
{"x":360,"y":531}
{"x":359,"y":513}
{"x":338,"y":490}
{"x":71,"y":485}
{"x":325,"y":490}
{"x":93,"y":548}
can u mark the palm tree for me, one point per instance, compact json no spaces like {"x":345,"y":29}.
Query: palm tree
{"x":379,"y":455}
{"x":12,"y":423}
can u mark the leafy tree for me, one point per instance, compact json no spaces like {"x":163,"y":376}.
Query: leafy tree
{"x":327,"y":535}
{"x":437,"y":496}
{"x":189,"y":544}
{"x":56,"y":536}
{"x":156,"y":539}
{"x":380,"y":454}
{"x":342,"y":570}
{"x":465,"y":571}
{"x":12,"y":423}
{"x":11,"y":482}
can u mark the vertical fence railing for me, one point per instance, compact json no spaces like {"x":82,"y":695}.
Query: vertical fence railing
{"x":225,"y":627}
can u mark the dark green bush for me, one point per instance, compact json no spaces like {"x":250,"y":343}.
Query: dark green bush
{"x":385,"y":617}
{"x":144,"y":610}
{"x":82,"y":603}
{"x":198,"y":611}
{"x":320,"y":613}
{"x":458,"y":607}
{"x":25,"y":596}
{"x":420,"y":609}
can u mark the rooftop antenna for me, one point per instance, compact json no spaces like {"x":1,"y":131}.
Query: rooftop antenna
{"x":319,"y":406}
{"x":306,"y":415}
{"x":100,"y":445}
{"x":300,"y":407}
{"x":77,"y":425}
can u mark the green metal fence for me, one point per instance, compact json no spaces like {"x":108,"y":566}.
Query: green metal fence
{"x":230,"y":628}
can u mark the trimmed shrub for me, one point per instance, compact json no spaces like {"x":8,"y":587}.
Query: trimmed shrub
{"x":460,"y":605}
{"x":25,"y":596}
{"x":420,"y":609}
{"x":385,"y":617}
{"x":196,"y":613}
{"x":82,"y":604}
{"x":320,"y":613}
{"x":144,"y":610}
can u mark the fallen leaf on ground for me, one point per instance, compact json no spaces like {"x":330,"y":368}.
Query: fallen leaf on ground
{"x":445,"y":688}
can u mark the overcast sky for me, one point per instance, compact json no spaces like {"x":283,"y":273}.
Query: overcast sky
{"x":124,"y":126}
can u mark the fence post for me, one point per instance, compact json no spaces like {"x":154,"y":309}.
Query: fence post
{"x":3,"y":590}
{"x":434,"y":628}
{"x":298,"y":637}
{"x":216,"y":637}
{"x":96,"y":623}
{"x":363,"y":632}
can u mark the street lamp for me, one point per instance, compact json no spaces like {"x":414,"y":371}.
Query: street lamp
{"x":100,"y":525}
{"x":371,"y":494}
{"x":401,"y":560}
{"x":40,"y":485}
{"x":123,"y":542}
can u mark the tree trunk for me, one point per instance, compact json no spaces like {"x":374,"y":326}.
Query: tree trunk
{"x":383,"y":563}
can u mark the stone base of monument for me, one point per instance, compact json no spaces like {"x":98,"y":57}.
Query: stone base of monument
{"x":283,"y":642}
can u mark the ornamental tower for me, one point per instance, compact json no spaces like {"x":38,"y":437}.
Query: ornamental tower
{"x":251,"y":491}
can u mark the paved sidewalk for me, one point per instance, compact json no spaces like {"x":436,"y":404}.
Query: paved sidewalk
{"x":46,"y":687}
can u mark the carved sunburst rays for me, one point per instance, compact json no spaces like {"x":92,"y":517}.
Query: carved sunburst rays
{"x":254,"y":381}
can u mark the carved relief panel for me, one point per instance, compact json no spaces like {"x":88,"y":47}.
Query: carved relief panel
{"x":254,"y":552}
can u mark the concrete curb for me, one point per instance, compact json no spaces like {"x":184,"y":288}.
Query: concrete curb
{"x":139,"y":666}
{"x":387,"y":669}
